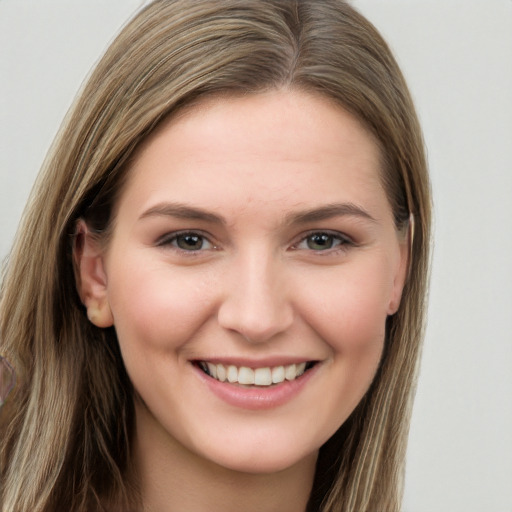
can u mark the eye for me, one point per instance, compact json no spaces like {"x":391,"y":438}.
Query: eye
{"x":186,"y":241}
{"x":323,"y":241}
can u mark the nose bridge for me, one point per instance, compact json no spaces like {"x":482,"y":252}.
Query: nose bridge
{"x":256,"y":302}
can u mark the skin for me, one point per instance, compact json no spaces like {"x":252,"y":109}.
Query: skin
{"x":270,"y":171}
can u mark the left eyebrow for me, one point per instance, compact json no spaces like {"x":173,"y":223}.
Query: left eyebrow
{"x":328,"y":212}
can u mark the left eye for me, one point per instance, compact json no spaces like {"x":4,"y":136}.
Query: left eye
{"x":322,"y":241}
{"x":187,"y":242}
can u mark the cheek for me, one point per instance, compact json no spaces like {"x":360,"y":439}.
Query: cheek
{"x":349,"y":309}
{"x":349,"y":318}
{"x":157,"y":306}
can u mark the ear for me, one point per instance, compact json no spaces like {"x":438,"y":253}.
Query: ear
{"x":403,"y":269}
{"x":90,"y":276}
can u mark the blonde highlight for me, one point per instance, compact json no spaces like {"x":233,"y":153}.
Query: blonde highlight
{"x":65,"y":430}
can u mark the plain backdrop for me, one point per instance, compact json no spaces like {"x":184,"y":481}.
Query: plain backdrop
{"x":457,"y":58}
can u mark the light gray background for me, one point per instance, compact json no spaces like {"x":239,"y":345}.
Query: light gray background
{"x":457,"y":57}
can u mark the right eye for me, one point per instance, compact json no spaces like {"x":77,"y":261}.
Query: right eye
{"x":189,"y":241}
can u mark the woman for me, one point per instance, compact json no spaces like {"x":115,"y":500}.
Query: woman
{"x":216,"y":299}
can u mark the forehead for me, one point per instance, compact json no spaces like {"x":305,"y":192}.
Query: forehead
{"x":270,"y":145}
{"x":309,"y":109}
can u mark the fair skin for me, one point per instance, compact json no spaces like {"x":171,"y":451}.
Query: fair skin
{"x":253,"y":232}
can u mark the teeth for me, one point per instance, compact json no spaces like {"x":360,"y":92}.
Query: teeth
{"x":245,"y":376}
{"x":263,"y":377}
{"x":278,"y":374}
{"x":290,"y":372}
{"x":212,"y":370}
{"x":253,"y":377}
{"x":232,"y":374}
{"x":221,"y":373}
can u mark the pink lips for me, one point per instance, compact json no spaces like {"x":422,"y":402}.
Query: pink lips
{"x":256,"y":397}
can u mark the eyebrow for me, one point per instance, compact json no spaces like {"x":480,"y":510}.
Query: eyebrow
{"x":183,"y":211}
{"x":328,"y":212}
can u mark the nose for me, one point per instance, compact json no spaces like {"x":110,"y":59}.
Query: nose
{"x":256,"y":302}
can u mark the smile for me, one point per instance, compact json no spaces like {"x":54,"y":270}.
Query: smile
{"x":246,"y":376}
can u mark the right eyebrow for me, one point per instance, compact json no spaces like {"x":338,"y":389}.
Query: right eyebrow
{"x":182,"y":211}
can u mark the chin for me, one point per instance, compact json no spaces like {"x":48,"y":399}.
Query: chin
{"x":262,"y":458}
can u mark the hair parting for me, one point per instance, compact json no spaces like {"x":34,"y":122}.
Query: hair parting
{"x":66,"y":429}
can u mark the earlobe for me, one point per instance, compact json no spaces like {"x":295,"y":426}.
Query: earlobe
{"x":100,"y":314}
{"x":90,"y":276}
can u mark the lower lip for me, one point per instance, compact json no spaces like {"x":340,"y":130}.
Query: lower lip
{"x":257,"y":398}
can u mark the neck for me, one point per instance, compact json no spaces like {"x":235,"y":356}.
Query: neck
{"x":171,"y":478}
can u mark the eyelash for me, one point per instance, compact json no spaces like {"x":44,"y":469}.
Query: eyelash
{"x":339,"y":241}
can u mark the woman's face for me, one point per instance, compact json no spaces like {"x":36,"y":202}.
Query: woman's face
{"x":252,"y":266}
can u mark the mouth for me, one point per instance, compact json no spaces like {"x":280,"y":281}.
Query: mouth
{"x":263,"y":377}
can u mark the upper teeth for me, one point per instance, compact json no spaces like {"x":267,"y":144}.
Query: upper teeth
{"x":253,"y":376}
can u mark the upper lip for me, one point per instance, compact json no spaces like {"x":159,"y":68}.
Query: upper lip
{"x":269,"y":362}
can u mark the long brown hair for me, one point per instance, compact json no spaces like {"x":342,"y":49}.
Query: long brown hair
{"x":65,"y":431}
